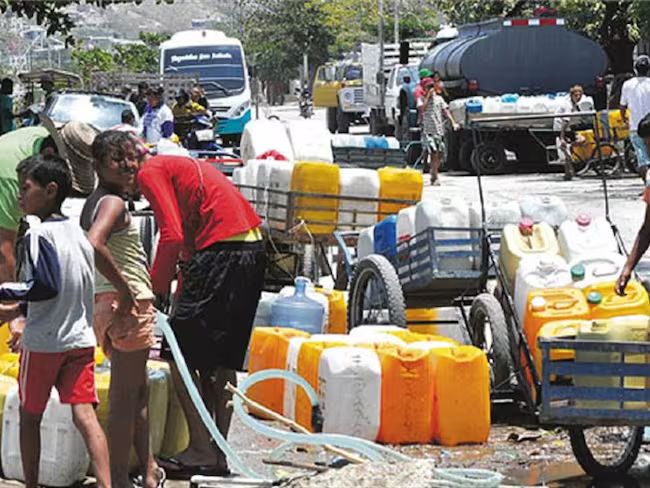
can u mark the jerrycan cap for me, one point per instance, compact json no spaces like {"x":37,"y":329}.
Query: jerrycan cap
{"x":526,"y":226}
{"x":578,"y":272}
{"x":594,"y":298}
{"x":583,"y":220}
{"x":538,"y":304}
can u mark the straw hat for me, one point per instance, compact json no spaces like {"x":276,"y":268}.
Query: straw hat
{"x":74,"y":142}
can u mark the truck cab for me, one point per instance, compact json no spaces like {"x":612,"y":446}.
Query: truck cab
{"x":395,"y":85}
{"x":339,"y":88}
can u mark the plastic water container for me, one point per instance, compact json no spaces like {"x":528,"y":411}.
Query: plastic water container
{"x":307,"y":367}
{"x":474,"y":106}
{"x":279,"y":180}
{"x":177,"y":434}
{"x":632,"y":328}
{"x":525,"y":239}
{"x":375,"y":142}
{"x":552,"y":305}
{"x":406,"y":224}
{"x":393,"y":142}
{"x":348,"y":140}
{"x":535,"y":272}
{"x":561,"y":329}
{"x":263,"y":311}
{"x":289,"y":291}
{"x":7,"y":383}
{"x":586,"y":235}
{"x":509,"y":98}
{"x":398,"y":184}
{"x":358,"y":182}
{"x":298,"y":311}
{"x":337,"y":322}
{"x":591,"y":268}
{"x":9,"y":363}
{"x":549,"y":209}
{"x":366,"y":242}
{"x":264,"y":135}
{"x":461,"y":406}
{"x":310,"y":140}
{"x":491,"y":105}
{"x":497,"y":214}
{"x":250,"y":177}
{"x":239,"y":178}
{"x":373,"y":329}
{"x":290,"y":388}
{"x":422,"y":320}
{"x":524,"y":105}
{"x":447,"y":213}
{"x":605,"y":303}
{"x":350,"y":391}
{"x":407,"y":395}
{"x":385,"y":236}
{"x":321,"y":178}
{"x":64,"y":458}
{"x":264,"y":181}
{"x":268,"y":350}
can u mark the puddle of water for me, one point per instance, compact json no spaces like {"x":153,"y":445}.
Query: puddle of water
{"x":551,"y":475}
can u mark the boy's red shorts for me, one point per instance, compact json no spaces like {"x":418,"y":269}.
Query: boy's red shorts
{"x":71,"y":372}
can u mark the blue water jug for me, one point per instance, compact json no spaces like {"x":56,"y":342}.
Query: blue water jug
{"x":474,"y":106}
{"x":385,"y":234}
{"x":510,"y":98}
{"x":298,"y":311}
{"x":374,"y":142}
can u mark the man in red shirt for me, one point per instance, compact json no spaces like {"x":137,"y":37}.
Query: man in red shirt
{"x":210,"y":228}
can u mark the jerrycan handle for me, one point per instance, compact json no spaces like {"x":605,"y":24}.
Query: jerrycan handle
{"x":564,"y":304}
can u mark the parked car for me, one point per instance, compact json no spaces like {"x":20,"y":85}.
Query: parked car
{"x":101,"y":111}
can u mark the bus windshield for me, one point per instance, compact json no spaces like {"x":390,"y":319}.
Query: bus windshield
{"x":220,"y":68}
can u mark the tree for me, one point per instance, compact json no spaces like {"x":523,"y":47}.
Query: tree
{"x":140,"y":58}
{"x":86,"y":61}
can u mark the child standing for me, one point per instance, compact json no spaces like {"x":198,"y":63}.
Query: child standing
{"x":57,"y":296}
{"x":124,"y":312}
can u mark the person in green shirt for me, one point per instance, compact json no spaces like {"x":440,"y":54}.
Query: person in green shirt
{"x":7,"y":123}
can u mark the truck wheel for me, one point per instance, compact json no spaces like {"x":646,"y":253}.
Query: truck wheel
{"x":490,"y":157}
{"x":465,"y":155}
{"x":343,"y":121}
{"x":331,"y":119}
{"x":452,"y":141}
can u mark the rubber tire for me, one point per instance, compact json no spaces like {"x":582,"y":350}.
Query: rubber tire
{"x":332,"y":123}
{"x":487,"y":306}
{"x":592,"y":467}
{"x":620,"y":164}
{"x":381,"y":268}
{"x":631,"y":162}
{"x":498,"y":154}
{"x":342,"y":121}
{"x":465,"y":155}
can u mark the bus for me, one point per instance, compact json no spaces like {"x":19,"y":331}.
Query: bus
{"x":219,"y":63}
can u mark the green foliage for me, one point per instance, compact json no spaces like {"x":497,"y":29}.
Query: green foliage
{"x":86,"y":61}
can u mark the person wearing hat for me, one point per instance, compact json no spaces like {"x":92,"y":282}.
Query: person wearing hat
{"x":419,"y":91}
{"x":158,"y":118}
{"x":184,"y":110}
{"x":635,"y":95}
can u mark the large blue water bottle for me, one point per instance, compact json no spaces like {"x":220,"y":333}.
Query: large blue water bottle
{"x":298,"y":311}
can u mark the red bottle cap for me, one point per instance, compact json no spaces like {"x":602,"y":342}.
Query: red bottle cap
{"x":583,"y":220}
{"x":526,"y":226}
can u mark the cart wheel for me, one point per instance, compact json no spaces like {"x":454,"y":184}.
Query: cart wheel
{"x":490,"y":157}
{"x":612,"y":162}
{"x":490,"y":332}
{"x":614,"y":449}
{"x":375,"y":294}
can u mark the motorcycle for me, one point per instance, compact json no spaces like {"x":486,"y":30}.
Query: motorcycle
{"x":201,"y":136}
{"x":305,"y":104}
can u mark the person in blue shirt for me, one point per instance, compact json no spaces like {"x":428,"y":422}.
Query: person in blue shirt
{"x":7,"y":123}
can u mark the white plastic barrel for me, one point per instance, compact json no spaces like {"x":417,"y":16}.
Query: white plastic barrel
{"x":350,"y":391}
{"x":289,"y":398}
{"x":64,"y":458}
{"x":535,"y":272}
{"x":263,"y":135}
{"x":366,"y":242}
{"x":491,"y":105}
{"x":310,"y":141}
{"x":585,"y":235}
{"x":363,"y":183}
{"x":250,"y":177}
{"x":591,"y":268}
{"x":524,"y":105}
{"x":549,"y":209}
{"x":239,"y":178}
{"x":348,"y":140}
{"x":497,"y":214}
{"x":279,"y":180}
{"x":446,"y":212}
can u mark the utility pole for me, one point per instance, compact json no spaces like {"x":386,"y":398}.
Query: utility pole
{"x":396,"y":24}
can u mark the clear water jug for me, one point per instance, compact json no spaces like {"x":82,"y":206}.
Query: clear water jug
{"x":263,"y":312}
{"x":535,"y":272}
{"x":64,"y":459}
{"x":385,"y":236}
{"x":298,"y":311}
{"x":585,"y":235}
{"x":592,"y":268}
{"x":549,"y":209}
{"x":358,"y":182}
